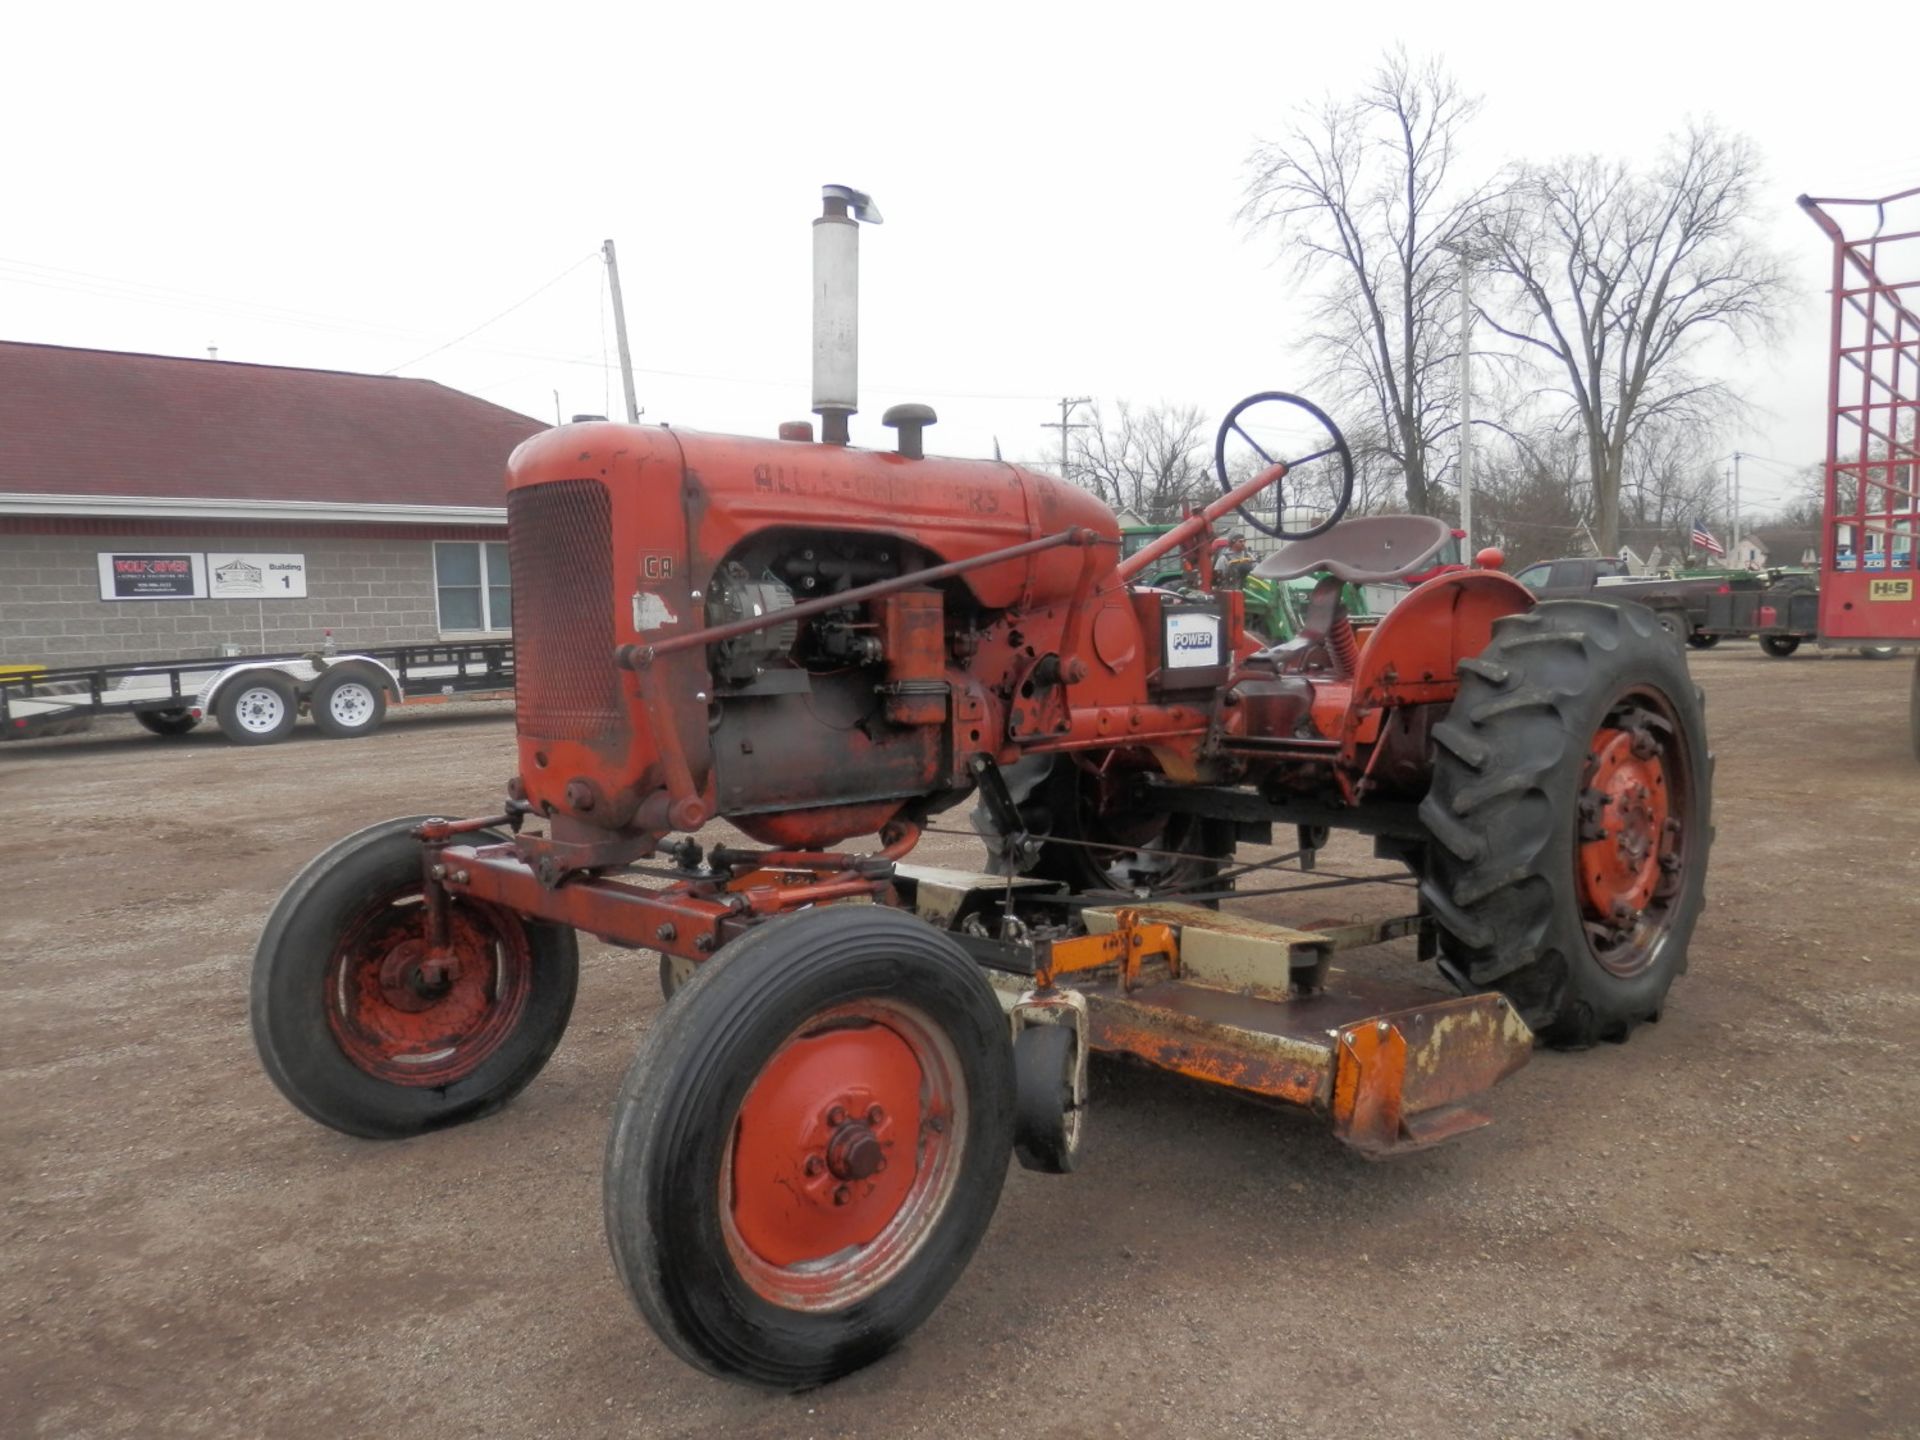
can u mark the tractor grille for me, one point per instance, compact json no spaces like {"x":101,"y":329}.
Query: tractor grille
{"x":560,"y":545}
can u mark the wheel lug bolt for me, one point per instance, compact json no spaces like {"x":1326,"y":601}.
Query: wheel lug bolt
{"x":842,"y":1195}
{"x":837,"y":1115}
{"x":875,"y":1115}
{"x":815,"y":1164}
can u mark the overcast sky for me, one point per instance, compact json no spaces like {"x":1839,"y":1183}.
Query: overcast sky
{"x":351,"y":187}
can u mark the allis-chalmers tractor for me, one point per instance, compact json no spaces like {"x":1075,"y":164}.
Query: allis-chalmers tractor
{"x":818,"y":644}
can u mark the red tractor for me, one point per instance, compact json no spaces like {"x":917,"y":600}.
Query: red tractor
{"x":819,"y":644}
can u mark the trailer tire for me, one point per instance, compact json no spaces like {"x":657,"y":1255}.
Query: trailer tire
{"x":1701,"y":641}
{"x":257,"y":708}
{"x":166,"y":722}
{"x":1779,"y":646}
{"x":745,"y":1211}
{"x":1576,"y":712}
{"x":347,"y":1029}
{"x":348,"y":701}
{"x":1879,"y":652}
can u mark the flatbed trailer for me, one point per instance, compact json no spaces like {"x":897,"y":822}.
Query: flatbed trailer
{"x":257,"y":699}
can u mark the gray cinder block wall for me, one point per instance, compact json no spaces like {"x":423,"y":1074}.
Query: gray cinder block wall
{"x":370,"y":592}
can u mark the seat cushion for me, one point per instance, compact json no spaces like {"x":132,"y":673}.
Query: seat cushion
{"x":1371,"y":547}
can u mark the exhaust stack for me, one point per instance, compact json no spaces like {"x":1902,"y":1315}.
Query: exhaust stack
{"x":836,"y":307}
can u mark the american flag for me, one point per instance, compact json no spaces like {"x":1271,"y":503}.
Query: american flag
{"x":1702,"y":539}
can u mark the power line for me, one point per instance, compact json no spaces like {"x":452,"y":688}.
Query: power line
{"x":590,"y":255}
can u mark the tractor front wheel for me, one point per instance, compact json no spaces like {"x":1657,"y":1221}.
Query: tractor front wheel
{"x":809,"y":1145}
{"x":1570,"y":816}
{"x":366,"y":1029}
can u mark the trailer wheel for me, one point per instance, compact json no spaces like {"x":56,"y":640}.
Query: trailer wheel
{"x":809,"y":1145}
{"x":166,"y":722}
{"x":1702,"y":642}
{"x":348,"y":701}
{"x":1571,"y":814}
{"x":258,"y":708}
{"x":1879,"y":652}
{"x":357,"y":1027}
{"x":1780,"y":646}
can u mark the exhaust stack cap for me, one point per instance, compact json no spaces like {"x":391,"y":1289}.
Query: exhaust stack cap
{"x":836,"y":306}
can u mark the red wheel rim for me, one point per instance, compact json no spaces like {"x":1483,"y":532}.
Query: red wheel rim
{"x":408,"y":1017}
{"x":843,"y":1154}
{"x":1631,"y":849}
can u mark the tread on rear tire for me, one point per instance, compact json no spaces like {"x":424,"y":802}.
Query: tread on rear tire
{"x":1512,"y":822}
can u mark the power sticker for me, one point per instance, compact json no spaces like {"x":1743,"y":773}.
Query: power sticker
{"x":1193,"y":641}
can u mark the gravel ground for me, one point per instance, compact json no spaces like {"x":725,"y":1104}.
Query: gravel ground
{"x":1710,"y":1230}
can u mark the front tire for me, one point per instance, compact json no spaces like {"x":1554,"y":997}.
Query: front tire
{"x":363,"y":1033}
{"x":809,"y":1145}
{"x":1570,"y":815}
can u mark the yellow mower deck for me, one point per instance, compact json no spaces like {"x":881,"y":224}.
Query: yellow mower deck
{"x":1259,"y":1009}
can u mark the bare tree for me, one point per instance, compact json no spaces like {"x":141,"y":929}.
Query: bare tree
{"x":1618,"y":278}
{"x":1363,"y":192}
{"x":1148,"y":459}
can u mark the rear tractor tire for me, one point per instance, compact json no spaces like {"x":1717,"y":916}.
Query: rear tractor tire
{"x":362,"y":1032}
{"x":809,"y":1145}
{"x":1571,"y":815}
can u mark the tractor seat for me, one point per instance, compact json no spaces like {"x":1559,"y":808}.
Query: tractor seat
{"x":1372,"y":547}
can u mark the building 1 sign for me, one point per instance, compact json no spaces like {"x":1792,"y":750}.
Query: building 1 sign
{"x":256,"y":577}
{"x":192,"y":576}
{"x":152,"y":577}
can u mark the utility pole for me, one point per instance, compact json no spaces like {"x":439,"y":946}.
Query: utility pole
{"x":620,"y":332}
{"x":1466,"y":401}
{"x":1733,"y":541}
{"x":1064,"y":424}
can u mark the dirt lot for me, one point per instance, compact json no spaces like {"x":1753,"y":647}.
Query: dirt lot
{"x":1710,"y":1230}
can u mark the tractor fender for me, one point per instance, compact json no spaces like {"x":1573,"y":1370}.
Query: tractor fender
{"x":1414,"y":653}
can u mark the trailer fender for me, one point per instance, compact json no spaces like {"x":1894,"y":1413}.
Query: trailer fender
{"x":301,"y":672}
{"x":389,"y":680}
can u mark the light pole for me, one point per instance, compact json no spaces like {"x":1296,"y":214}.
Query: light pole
{"x":1466,"y":254}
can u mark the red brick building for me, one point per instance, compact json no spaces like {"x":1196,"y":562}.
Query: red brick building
{"x":154,"y":507}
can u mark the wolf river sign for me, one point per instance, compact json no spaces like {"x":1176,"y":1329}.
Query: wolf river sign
{"x":180,"y":576}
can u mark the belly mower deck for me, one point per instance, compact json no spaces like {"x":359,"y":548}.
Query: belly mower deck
{"x":1254,"y":1007}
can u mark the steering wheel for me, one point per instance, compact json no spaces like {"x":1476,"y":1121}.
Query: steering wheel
{"x":1231,"y":426}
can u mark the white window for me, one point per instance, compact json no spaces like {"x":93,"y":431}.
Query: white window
{"x":471,"y":586}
